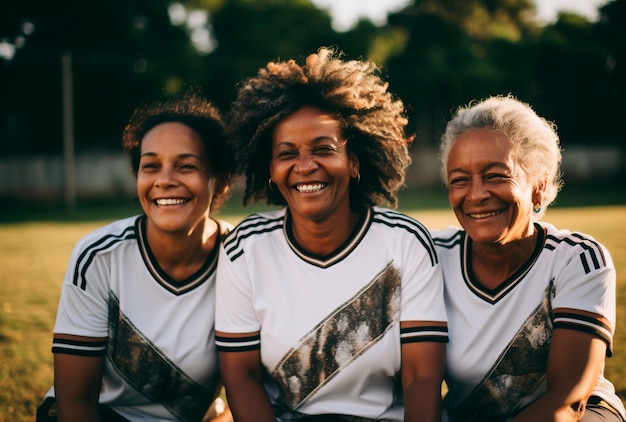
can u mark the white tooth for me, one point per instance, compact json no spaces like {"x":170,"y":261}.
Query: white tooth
{"x":170,"y":201}
{"x":485,"y":215}
{"x":310,"y":188}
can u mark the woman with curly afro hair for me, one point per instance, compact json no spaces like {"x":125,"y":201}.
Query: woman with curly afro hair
{"x":330,"y":307}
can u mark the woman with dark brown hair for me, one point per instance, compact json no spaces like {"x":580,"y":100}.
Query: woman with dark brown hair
{"x":134,"y":334}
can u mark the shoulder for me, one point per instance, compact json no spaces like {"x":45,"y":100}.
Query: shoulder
{"x":398,"y":228}
{"x":110,"y":235}
{"x":393,"y":219}
{"x":447,"y":238}
{"x":569,"y":240}
{"x":224,"y":227}
{"x":575,"y":244}
{"x":102,"y":245}
{"x":568,"y":237}
{"x":252,"y":228}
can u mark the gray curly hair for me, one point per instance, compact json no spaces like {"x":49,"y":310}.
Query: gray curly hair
{"x":535,"y":140}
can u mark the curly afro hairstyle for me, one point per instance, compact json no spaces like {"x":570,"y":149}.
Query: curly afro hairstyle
{"x":372,"y":119}
{"x":193,"y":110}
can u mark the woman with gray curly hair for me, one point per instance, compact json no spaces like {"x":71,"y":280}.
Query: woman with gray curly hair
{"x":531,"y":308}
{"x":330,"y":307}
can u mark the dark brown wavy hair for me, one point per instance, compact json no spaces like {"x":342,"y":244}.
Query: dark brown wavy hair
{"x":192,"y":109}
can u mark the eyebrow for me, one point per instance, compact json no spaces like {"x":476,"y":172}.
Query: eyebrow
{"x":317,"y":140}
{"x":486,"y":168}
{"x":183,"y":155}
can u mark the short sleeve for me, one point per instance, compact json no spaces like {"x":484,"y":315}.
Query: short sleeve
{"x":422,"y":289}
{"x":83,"y":305}
{"x":234,"y":308}
{"x":585,"y":291}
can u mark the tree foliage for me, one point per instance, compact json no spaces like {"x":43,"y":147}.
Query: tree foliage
{"x":481,"y":48}
{"x":436,"y":55}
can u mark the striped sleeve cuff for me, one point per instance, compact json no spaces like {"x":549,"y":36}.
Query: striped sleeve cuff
{"x":586,"y":324}
{"x":238,"y":344}
{"x":434,"y":333}
{"x":79,"y":348}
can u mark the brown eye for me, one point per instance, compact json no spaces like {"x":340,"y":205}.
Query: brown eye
{"x":148,"y":166}
{"x":324,"y":150}
{"x":458,"y":181}
{"x":285,"y":155}
{"x":495,"y":178}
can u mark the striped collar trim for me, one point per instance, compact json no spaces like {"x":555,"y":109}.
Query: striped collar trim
{"x":338,"y":254}
{"x":160,"y":276}
{"x":493,"y":296}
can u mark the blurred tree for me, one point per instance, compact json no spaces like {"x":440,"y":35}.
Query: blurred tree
{"x":567,"y":65}
{"x":611,"y":32}
{"x":449,"y":55}
{"x":457,"y":51}
{"x":251,"y":33}
{"x":437,"y":54}
{"x":123,"y":51}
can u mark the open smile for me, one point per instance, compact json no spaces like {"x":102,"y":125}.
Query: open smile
{"x":315,"y":187}
{"x":170,"y":201}
{"x":480,"y":216}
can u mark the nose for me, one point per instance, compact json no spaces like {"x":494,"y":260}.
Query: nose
{"x":477,"y":191}
{"x":166,"y":177}
{"x":306,"y":162}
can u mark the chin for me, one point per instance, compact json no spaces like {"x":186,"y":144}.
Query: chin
{"x":487,"y":237}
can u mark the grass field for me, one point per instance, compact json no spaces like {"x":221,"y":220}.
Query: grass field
{"x":34,"y":252}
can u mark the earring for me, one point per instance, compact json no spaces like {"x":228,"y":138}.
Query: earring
{"x":537,"y":208}
{"x":269,"y":184}
{"x":358,"y":178}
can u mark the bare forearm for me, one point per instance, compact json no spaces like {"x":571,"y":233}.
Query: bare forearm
{"x":575,"y":362}
{"x":422,"y":375}
{"x":422,"y":401}
{"x":77,"y":410}
{"x":248,"y":401}
{"x":551,"y":408}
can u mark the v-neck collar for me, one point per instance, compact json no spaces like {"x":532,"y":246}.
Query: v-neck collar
{"x":493,"y":296}
{"x":160,"y":276}
{"x":338,"y":254}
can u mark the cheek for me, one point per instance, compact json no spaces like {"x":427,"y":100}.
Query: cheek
{"x":454,"y":198}
{"x":277,"y":170}
{"x":521,"y":194}
{"x":142,"y":184}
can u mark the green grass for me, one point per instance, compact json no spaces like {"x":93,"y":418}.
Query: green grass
{"x":35,"y":244}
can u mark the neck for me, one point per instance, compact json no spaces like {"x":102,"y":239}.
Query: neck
{"x":493,"y":263}
{"x":324,"y":237}
{"x":182,"y":254}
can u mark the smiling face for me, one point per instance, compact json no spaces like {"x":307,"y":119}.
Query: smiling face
{"x":311,"y":165}
{"x":491,"y":195}
{"x":174,"y":185}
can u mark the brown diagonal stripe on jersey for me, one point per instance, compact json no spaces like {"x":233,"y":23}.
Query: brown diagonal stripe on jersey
{"x":340,"y":338}
{"x":518,"y":372}
{"x":150,"y":371}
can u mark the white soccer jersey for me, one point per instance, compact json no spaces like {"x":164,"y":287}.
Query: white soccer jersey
{"x":161,"y":360}
{"x":328,"y":326}
{"x":499,"y":340}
